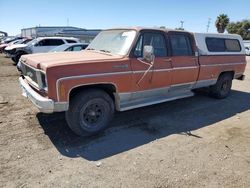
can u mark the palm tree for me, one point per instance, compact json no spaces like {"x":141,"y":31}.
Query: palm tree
{"x":221,"y":23}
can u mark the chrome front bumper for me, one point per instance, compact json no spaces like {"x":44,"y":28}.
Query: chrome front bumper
{"x":43,"y":104}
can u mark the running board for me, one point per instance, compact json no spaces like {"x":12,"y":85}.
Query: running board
{"x":154,"y":100}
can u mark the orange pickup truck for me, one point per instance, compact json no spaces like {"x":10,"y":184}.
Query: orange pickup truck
{"x":127,"y":68}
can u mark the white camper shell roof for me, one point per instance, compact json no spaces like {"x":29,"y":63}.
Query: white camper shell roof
{"x":200,"y":39}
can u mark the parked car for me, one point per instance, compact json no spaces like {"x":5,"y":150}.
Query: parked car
{"x":9,"y":39}
{"x":19,"y":44}
{"x":3,"y":46}
{"x":4,"y":38}
{"x":123,"y":69}
{"x":40,"y":45}
{"x":247,"y":50}
{"x":8,"y":43}
{"x":70,"y":47}
{"x":64,"y":47}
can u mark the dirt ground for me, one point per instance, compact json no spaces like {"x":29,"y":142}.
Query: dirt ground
{"x":192,"y":142}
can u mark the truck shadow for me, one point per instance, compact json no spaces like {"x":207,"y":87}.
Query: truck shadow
{"x":135,"y":128}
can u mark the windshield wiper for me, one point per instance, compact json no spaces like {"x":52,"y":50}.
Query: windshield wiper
{"x":106,"y":51}
{"x":90,"y":49}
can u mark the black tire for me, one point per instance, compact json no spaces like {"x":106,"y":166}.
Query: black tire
{"x":90,"y":112}
{"x":17,"y":57}
{"x":223,"y":86}
{"x":13,"y":59}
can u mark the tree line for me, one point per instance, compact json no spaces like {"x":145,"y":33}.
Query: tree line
{"x":242,"y":28}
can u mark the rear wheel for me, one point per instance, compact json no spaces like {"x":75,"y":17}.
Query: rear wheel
{"x":90,"y":112}
{"x":222,"y":88}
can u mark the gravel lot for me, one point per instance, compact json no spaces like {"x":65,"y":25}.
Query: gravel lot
{"x":192,"y":142}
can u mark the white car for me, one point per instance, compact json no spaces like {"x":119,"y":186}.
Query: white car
{"x":247,"y":50}
{"x":18,"y":44}
{"x":40,"y":45}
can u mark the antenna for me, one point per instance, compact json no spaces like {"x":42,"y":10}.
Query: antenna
{"x":208,"y":24}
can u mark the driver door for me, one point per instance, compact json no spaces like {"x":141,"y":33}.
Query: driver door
{"x":151,"y":79}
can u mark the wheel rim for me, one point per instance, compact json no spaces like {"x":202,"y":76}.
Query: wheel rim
{"x":92,"y":114}
{"x":225,"y":87}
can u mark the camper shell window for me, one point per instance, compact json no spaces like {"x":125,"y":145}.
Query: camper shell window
{"x":222,"y":45}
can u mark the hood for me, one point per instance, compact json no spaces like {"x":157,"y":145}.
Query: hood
{"x":3,"y":45}
{"x":46,"y":60}
{"x":11,"y":47}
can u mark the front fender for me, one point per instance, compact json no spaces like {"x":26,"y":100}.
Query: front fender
{"x":65,"y":86}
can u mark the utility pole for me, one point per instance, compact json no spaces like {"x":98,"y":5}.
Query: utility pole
{"x":208,"y":24}
{"x":67,"y":21}
{"x":182,"y":23}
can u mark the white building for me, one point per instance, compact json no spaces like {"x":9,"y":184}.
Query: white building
{"x":84,"y":35}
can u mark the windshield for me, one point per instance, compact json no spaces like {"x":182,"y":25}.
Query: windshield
{"x":14,"y":42}
{"x":113,"y":41}
{"x":26,"y":41}
{"x":19,"y":42}
{"x":32,"y":42}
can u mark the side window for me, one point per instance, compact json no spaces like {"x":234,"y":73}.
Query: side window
{"x":51,"y":42}
{"x":71,"y":41}
{"x":223,"y":45}
{"x":138,"y":47}
{"x":215,"y":44}
{"x":77,"y":48}
{"x":151,"y":39}
{"x":69,"y":49}
{"x":181,"y":45}
{"x":55,"y":42}
{"x":232,"y":45}
{"x":41,"y":43}
{"x":84,"y":46}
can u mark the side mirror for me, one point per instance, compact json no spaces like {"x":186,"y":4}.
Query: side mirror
{"x":148,"y":53}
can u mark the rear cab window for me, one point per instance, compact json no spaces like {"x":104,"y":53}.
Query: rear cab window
{"x":180,"y":45}
{"x":222,"y":45}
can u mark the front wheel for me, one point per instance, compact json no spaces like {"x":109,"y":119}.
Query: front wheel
{"x":90,"y":112}
{"x":16,"y":58}
{"x":222,"y":88}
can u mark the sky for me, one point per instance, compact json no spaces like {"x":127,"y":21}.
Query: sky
{"x":104,"y":14}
